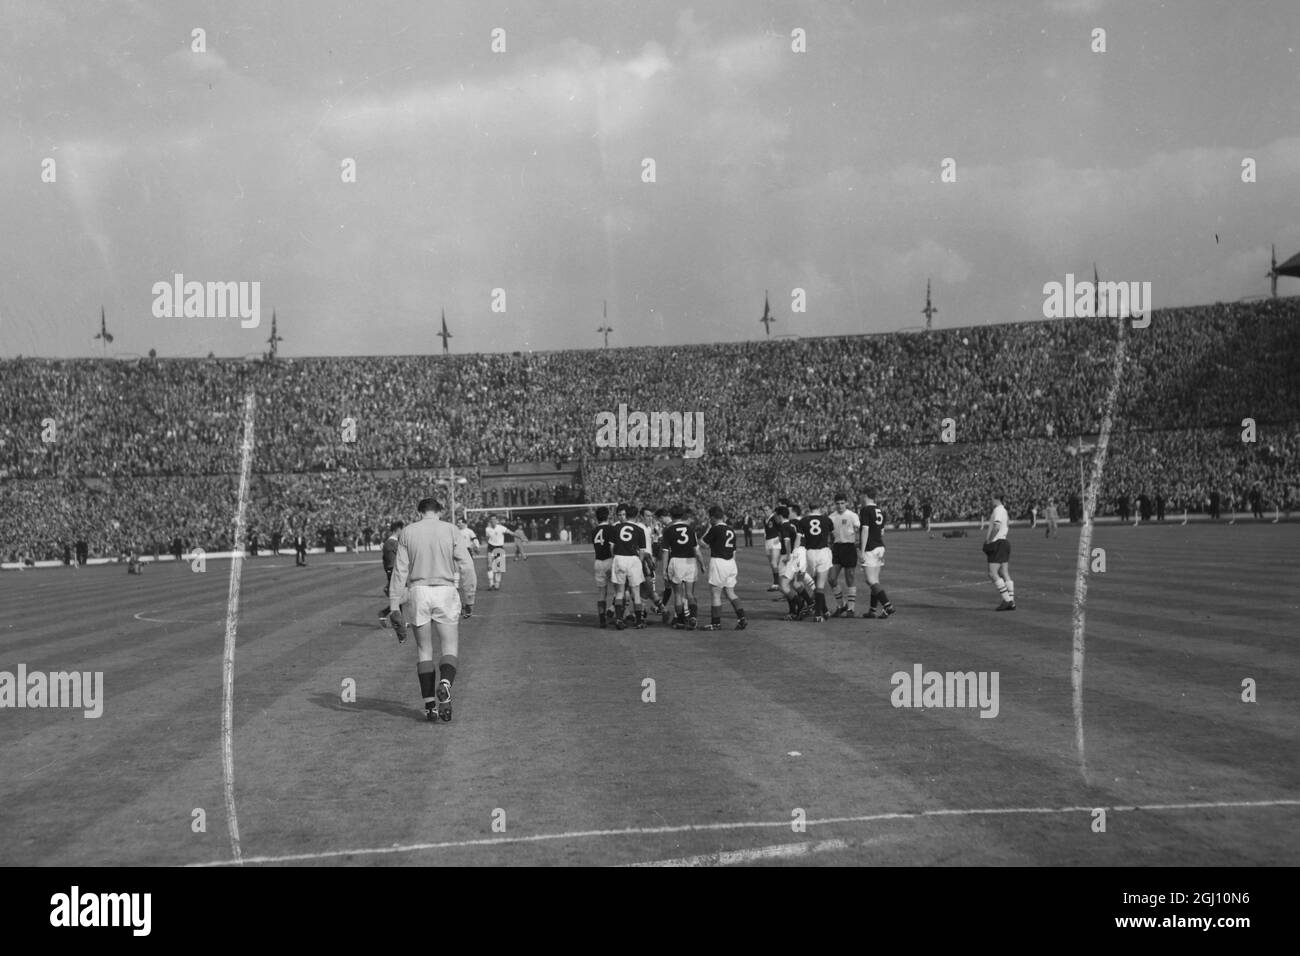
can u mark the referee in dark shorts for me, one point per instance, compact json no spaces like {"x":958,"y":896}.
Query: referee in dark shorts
{"x":423,"y":593}
{"x":390,"y":562}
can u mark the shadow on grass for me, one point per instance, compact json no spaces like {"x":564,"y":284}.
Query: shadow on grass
{"x":364,"y":704}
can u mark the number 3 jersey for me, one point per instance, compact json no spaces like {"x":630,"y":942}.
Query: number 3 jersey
{"x":680,"y":540}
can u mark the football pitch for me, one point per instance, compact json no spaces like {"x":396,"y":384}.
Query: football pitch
{"x":576,"y":745}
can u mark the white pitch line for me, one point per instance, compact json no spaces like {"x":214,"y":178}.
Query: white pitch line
{"x":778,"y":851}
{"x":1085,"y":551}
{"x":742,"y":825}
{"x":232,"y":623}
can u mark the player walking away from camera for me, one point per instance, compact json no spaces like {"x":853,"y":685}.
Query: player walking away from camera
{"x":844,"y":555}
{"x":721,"y":542}
{"x":998,"y":550}
{"x":429,"y":554}
{"x":681,"y":559}
{"x":390,"y":562}
{"x":628,"y":570}
{"x":602,"y":541}
{"x":772,"y":544}
{"x":496,"y":552}
{"x":520,"y":541}
{"x":815,"y":536}
{"x":873,"y":555}
{"x":1050,"y":514}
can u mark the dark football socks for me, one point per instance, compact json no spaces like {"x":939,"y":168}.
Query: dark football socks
{"x":428,"y":671}
{"x":447,"y":665}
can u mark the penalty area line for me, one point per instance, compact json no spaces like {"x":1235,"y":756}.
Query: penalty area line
{"x":742,"y":825}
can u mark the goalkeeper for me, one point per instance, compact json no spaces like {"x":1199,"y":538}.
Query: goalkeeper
{"x":429,"y":553}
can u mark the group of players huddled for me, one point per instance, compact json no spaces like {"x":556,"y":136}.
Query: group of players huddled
{"x":808,"y":551}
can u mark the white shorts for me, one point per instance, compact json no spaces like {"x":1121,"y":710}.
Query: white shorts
{"x":682,"y":570}
{"x":428,"y":602}
{"x":770,"y":545}
{"x":819,"y":559}
{"x":722,"y":572}
{"x":497,"y":562}
{"x":627,"y":570}
{"x":875,"y":558}
{"x":794,"y":564}
{"x":602,"y":571}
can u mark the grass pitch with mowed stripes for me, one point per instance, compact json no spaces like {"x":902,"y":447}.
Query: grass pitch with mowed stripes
{"x":749,"y":731}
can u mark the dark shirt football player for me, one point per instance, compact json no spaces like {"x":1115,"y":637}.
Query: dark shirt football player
{"x":772,"y":527}
{"x":815,"y":529}
{"x":679,"y":540}
{"x":720,"y":539}
{"x":602,"y":541}
{"x":873,"y":520}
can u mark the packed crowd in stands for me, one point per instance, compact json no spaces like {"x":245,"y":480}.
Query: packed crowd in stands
{"x":123,"y":454}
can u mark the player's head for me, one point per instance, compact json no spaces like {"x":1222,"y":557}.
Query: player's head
{"x":871,"y":492}
{"x":492,"y":520}
{"x":814,"y":507}
{"x":998,"y":499}
{"x":678,"y":513}
{"x":662,"y":513}
{"x":796,"y":510}
{"x":716,"y":513}
{"x":625,"y":511}
{"x":782,"y":512}
{"x":841,"y":501}
{"x":602,"y":515}
{"x":647,"y":514}
{"x":396,"y":526}
{"x":429,"y":505}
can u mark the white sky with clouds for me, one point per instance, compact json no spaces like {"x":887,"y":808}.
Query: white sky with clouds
{"x":523,"y":170}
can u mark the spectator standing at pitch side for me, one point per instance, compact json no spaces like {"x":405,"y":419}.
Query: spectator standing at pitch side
{"x":998,"y":551}
{"x":1050,"y":515}
{"x":429,"y":555}
{"x":1214,"y":505}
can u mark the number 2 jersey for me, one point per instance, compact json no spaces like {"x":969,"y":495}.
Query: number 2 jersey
{"x":721,"y":541}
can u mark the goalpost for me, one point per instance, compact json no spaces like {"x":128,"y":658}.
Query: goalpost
{"x":554,"y":523}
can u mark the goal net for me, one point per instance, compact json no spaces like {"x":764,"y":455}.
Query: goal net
{"x":564,"y":524}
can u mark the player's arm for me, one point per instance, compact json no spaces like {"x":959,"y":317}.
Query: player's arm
{"x":397,"y":586}
{"x":465,"y":565}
